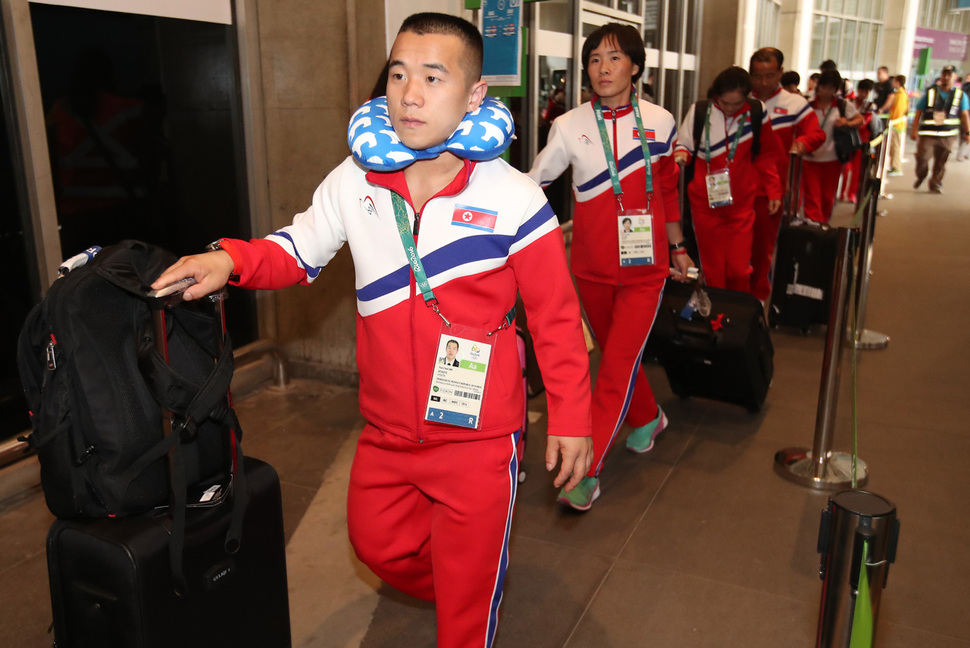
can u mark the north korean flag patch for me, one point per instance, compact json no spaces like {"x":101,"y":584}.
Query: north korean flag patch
{"x":474,"y":217}
{"x":780,"y":111}
{"x":648,"y":134}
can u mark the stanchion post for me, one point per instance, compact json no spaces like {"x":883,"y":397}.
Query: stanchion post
{"x":857,"y":538}
{"x":864,"y":338}
{"x":821,"y":467}
{"x":865,"y":170}
{"x":883,"y":157}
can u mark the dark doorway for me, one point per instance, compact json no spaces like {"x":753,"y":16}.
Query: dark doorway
{"x":18,"y":281}
{"x":144,"y":129}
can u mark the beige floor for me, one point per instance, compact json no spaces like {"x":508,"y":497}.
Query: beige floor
{"x":697,"y":544}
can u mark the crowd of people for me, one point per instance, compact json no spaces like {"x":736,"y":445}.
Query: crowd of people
{"x":734,"y":147}
{"x":445,"y":238}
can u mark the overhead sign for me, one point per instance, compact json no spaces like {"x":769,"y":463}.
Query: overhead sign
{"x":946,"y":46}
{"x":501,"y":24}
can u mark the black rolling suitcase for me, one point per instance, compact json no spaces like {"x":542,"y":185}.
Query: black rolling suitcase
{"x":111,"y":582}
{"x":804,"y":265}
{"x":197,"y":559}
{"x":725,"y":355}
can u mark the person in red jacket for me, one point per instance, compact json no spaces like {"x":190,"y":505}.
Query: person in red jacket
{"x":850,"y":171}
{"x":626,"y":234}
{"x":429,"y":504}
{"x":729,"y":173}
{"x":797,"y":129}
{"x":821,"y":169}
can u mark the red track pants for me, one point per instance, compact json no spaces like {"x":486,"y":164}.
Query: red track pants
{"x":725,"y":236}
{"x":820,"y":180}
{"x":432,"y":519}
{"x":620,"y":318}
{"x":763,"y":242}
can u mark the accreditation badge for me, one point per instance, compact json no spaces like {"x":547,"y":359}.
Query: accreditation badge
{"x":636,"y":237}
{"x":939,"y":117}
{"x":719,"y":189}
{"x":459,"y":378}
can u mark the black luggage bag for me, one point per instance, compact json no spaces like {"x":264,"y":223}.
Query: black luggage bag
{"x":198,"y":559}
{"x":804,"y":269}
{"x":804,"y":263}
{"x":725,"y":356}
{"x":111,"y":582}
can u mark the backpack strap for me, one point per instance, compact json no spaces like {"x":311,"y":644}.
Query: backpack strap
{"x":172,"y":391}
{"x":757,"y":117}
{"x":700,"y":113}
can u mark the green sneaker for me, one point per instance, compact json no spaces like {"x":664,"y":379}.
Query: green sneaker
{"x":642,"y":438}
{"x":582,"y":497}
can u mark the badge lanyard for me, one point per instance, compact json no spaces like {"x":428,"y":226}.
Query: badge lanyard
{"x":608,"y":148}
{"x":826,"y":117}
{"x":411,"y":249}
{"x":453,"y":398}
{"x":420,"y":277}
{"x":707,"y":136}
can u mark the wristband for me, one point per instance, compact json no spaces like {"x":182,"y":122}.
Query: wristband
{"x":217,"y":245}
{"x":680,"y":250}
{"x":678,"y":246}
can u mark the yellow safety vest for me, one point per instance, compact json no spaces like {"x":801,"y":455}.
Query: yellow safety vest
{"x":950,"y":125}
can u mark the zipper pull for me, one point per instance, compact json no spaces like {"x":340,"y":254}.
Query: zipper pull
{"x":51,"y":354}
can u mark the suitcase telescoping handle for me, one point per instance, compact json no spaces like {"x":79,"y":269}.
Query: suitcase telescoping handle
{"x":162,"y":301}
{"x":793,"y":192}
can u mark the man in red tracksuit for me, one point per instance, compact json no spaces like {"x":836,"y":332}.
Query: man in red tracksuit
{"x":432,"y":487}
{"x":796,"y":127}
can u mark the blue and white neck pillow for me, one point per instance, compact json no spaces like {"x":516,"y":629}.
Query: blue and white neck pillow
{"x":482,"y":135}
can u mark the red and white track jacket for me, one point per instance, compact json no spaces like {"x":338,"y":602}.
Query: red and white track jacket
{"x":513,"y":244}
{"x":749,"y":178}
{"x":574,"y":139}
{"x":792,"y":119}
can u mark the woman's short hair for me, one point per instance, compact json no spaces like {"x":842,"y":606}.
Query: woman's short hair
{"x":627,"y":37}
{"x":830,"y":79}
{"x":733,"y":78}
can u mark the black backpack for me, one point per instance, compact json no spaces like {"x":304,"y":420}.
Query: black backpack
{"x":96,"y":388}
{"x":847,"y":139}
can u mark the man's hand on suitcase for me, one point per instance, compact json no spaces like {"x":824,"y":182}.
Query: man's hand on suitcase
{"x":210,"y":270}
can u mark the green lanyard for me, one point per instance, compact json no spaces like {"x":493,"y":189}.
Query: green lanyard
{"x":420,"y":277}
{"x":707,"y":135}
{"x":411,"y":249}
{"x":608,"y":147}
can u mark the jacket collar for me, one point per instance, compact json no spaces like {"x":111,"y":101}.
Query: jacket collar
{"x":394,"y":181}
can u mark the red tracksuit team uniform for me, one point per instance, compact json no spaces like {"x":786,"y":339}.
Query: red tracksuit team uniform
{"x":620,"y":303}
{"x":821,"y":169}
{"x":850,"y":171}
{"x":430,"y":505}
{"x":725,"y":234}
{"x":792,"y":120}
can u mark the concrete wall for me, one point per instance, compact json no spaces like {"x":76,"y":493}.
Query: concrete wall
{"x":719,"y":40}
{"x":311,"y":85}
